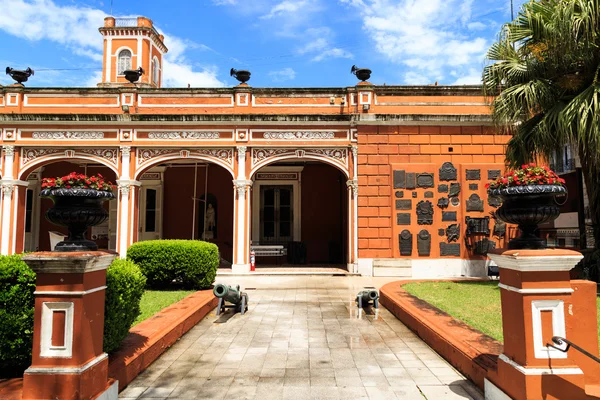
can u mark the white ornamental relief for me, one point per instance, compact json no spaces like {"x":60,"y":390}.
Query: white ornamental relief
{"x":353,"y":185}
{"x":9,"y":150}
{"x":225,"y":155}
{"x":299,"y":135}
{"x":184,"y":135}
{"x":8,"y":189}
{"x":28,"y":155}
{"x":68,"y":135}
{"x":109,"y":154}
{"x":259,"y":155}
{"x":144,"y":155}
{"x":337,"y":154}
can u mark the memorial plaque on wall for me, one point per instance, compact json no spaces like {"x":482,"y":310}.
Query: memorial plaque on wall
{"x":443,"y":188}
{"x":441,"y":232}
{"x":425,"y":180}
{"x":477,"y":225}
{"x":414,"y":195}
{"x":499,"y":229}
{"x":424,"y":212}
{"x":454,"y":190}
{"x":447,"y":172}
{"x":406,"y":240}
{"x":424,"y":243}
{"x":448,"y":216}
{"x":411,"y":180}
{"x":474,"y":203}
{"x":483,"y":246}
{"x":450,"y":249}
{"x":453,"y":233}
{"x":399,"y":179}
{"x":494,"y":201}
{"x":399,"y":194}
{"x":442,"y":202}
{"x":473,"y":174}
{"x":454,"y":201}
{"x":404,"y":204}
{"x":493,"y":174}
{"x":402,"y":219}
{"x":428,"y":195}
{"x":473,"y":186}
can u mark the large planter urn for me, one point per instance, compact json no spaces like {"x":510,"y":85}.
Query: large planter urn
{"x":528,"y":206}
{"x":77,"y":209}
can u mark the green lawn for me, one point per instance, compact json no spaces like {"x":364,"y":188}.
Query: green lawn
{"x":155,"y":300}
{"x":475,"y":303}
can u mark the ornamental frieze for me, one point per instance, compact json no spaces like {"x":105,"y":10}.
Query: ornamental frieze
{"x":67,"y":135}
{"x":146,"y":154}
{"x":299,"y":135}
{"x":30,"y":154}
{"x":184,"y":135}
{"x":339,"y":155}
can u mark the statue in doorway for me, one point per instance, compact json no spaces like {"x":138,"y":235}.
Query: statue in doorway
{"x":210,"y":217}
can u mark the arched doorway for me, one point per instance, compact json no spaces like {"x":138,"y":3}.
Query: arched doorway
{"x":301,"y":206}
{"x":187,"y":198}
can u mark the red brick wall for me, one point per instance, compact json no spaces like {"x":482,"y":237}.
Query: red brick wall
{"x":380,"y":147}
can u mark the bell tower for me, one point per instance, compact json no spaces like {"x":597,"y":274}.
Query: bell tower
{"x":131,"y":43}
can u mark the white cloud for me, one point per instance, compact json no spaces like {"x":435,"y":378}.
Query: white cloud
{"x":285,"y":74}
{"x":94,"y":79}
{"x":472,"y":78}
{"x":318,"y":42}
{"x":224,"y":2}
{"x":77,"y":29}
{"x":286,"y":7}
{"x":423,"y":35}
{"x":333,"y":53}
{"x":476,"y":26}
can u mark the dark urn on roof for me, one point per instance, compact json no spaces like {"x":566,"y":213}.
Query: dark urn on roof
{"x":240,"y":74}
{"x":361,"y":73}
{"x":133,"y":75}
{"x":19,"y":75}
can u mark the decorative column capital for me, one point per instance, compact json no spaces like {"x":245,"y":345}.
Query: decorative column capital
{"x":125,"y":185}
{"x":9,"y":150}
{"x":242,"y":151}
{"x":7,"y":189}
{"x":354,"y":151}
{"x":126,"y":151}
{"x":353,"y":184}
{"x":241,"y":186}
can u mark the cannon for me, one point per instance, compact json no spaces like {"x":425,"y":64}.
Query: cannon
{"x":365,"y":296}
{"x":237,"y":298}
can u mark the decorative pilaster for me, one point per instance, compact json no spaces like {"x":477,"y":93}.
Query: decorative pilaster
{"x":9,"y":158}
{"x":125,"y":161}
{"x":12,"y":215}
{"x":127,"y":217}
{"x":352,"y":185}
{"x":241,"y":226}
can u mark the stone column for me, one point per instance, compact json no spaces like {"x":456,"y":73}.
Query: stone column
{"x":126,"y":215}
{"x":538,"y":303}
{"x":353,"y":224}
{"x":241,"y":228}
{"x":68,"y":361}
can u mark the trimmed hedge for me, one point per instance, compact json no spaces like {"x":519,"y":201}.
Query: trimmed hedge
{"x":17,"y":284}
{"x":124,"y":288}
{"x":190,"y":262}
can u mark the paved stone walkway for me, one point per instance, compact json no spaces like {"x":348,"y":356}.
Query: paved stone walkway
{"x":302,"y":338}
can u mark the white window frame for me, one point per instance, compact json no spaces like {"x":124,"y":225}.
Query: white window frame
{"x":118,"y":53}
{"x":155,"y":70}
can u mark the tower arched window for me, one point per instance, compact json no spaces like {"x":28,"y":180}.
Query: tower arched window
{"x":155,"y":70}
{"x":124,"y":61}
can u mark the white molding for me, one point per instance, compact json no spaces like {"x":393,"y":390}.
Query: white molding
{"x":536,"y":263}
{"x":536,"y":290}
{"x":557,"y":307}
{"x":138,"y":56}
{"x":540,"y":371}
{"x":46,"y":347}
{"x":312,"y":96}
{"x":141,"y":98}
{"x":66,"y":370}
{"x":238,"y":96}
{"x":369,"y":97}
{"x":27,"y":96}
{"x":127,"y":103}
{"x":12,"y":99}
{"x":67,"y":293}
{"x":493,"y":392}
{"x":108,"y":55}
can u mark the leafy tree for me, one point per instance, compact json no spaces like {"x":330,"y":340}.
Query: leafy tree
{"x":543,"y":77}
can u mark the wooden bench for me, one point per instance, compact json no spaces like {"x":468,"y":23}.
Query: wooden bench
{"x":269,"y":250}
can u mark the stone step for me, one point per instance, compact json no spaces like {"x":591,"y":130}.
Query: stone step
{"x":392,"y":262}
{"x":404,"y":272}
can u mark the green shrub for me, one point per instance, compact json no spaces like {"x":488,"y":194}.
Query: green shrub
{"x":125,"y":286}
{"x":17,"y":284}
{"x":190,"y":262}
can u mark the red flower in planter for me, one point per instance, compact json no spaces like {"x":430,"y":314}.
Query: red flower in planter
{"x":528,"y":174}
{"x":78,"y":181}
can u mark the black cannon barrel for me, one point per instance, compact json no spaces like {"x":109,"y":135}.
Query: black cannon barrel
{"x":368,"y":295}
{"x":228,"y":293}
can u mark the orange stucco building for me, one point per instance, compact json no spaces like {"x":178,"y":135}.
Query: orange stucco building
{"x":382,"y":180}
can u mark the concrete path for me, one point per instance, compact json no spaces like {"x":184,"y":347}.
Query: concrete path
{"x":302,"y":338}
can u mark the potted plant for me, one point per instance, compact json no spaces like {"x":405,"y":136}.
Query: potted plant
{"x":77,"y":205}
{"x":529,"y":199}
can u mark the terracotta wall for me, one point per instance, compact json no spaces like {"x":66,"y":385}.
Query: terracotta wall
{"x":178,"y":204}
{"x":60,"y":169}
{"x":324,"y":214}
{"x":419,"y":149}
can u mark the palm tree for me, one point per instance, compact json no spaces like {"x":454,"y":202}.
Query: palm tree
{"x":543,"y":79}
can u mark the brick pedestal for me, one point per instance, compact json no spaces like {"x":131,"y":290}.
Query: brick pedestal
{"x":68,"y":361}
{"x":538,"y":303}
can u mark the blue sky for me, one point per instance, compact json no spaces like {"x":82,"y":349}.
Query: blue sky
{"x":284,"y":43}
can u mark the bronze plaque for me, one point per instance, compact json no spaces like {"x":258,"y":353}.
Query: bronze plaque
{"x":447,"y":172}
{"x":493,"y":174}
{"x":473,"y":174}
{"x":424,"y":243}
{"x":411,"y":180}
{"x":449,"y":249}
{"x":443,"y":188}
{"x":477,"y":225}
{"x":424,"y":212}
{"x":402,"y":219}
{"x":474,"y":203}
{"x":454,"y":190}
{"x":404,"y":204}
{"x":405,"y":239}
{"x":399,"y":179}
{"x":448,"y":216}
{"x":442,"y":202}
{"x":399,"y":194}
{"x":425,"y":180}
